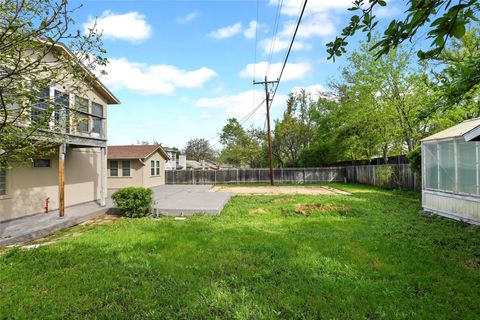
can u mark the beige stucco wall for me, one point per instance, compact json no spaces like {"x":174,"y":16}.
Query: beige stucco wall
{"x":139,"y":174}
{"x":151,"y":181}
{"x":27,"y":187}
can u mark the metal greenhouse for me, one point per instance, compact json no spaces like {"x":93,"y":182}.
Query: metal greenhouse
{"x":451,"y":172}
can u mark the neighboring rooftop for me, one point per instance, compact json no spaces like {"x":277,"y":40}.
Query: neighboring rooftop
{"x":468,"y":129}
{"x":134,"y":151}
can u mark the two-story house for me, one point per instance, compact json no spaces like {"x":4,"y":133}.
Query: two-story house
{"x":76,"y":172}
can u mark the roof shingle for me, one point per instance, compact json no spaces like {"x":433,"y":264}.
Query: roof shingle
{"x":134,"y":152}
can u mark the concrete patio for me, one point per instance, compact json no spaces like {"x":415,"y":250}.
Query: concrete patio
{"x":170,"y":200}
{"x":185,"y":200}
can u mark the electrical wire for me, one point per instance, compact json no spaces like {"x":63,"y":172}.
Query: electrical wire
{"x":274,"y":38}
{"x":289,"y":49}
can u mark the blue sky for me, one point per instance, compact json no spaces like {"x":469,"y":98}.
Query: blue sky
{"x":181,"y":68}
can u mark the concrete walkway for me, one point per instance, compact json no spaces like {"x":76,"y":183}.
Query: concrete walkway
{"x":170,"y":200}
{"x":186,"y":200}
{"x":42,"y":224}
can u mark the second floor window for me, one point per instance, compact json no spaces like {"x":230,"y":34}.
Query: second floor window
{"x":40,"y":116}
{"x":62,"y":110}
{"x":97,"y":125}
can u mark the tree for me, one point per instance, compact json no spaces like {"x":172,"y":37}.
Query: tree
{"x":31,"y":33}
{"x":199,"y":149}
{"x":295,"y":131}
{"x":242,"y":147}
{"x":450,"y":19}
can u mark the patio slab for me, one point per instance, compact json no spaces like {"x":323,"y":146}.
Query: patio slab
{"x":42,"y":224}
{"x":186,"y":200}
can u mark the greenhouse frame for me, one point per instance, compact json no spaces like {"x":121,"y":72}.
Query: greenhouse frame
{"x":451,"y":172}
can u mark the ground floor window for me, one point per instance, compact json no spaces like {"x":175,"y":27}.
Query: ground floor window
{"x":113,"y":168}
{"x":126,"y":168}
{"x":3,"y":181}
{"x":154,"y":168}
{"x":42,"y":163}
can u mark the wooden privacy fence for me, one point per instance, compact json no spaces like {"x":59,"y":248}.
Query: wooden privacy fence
{"x":262,"y":175}
{"x":388,"y":176}
{"x":398,"y":176}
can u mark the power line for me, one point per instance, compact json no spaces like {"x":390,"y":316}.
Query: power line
{"x":289,"y":48}
{"x":251,"y":113}
{"x":274,"y":38}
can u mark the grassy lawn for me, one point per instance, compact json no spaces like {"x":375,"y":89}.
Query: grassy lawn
{"x":363,"y":256}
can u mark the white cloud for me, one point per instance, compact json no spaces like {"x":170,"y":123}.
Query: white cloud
{"x":292,"y":7}
{"x":318,"y":21}
{"x":188,"y":17}
{"x":281,"y":45}
{"x":387,"y":11}
{"x":153,"y":79}
{"x":293,"y":71}
{"x":253,"y":27}
{"x":130,"y":26}
{"x":226,"y":32}
{"x":313,"y":89}
{"x":240,"y":104}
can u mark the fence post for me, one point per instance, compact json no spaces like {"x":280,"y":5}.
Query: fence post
{"x":237,"y":177}
{"x":304,"y":178}
{"x":215,"y":177}
{"x":281,"y":171}
{"x":193,"y":176}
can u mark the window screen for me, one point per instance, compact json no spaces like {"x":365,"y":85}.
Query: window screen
{"x":97,"y":109}
{"x":40,"y":116}
{"x":447,"y":166}
{"x":467,"y":167}
{"x":97,"y":125}
{"x":152,"y":168}
{"x":62,"y":111}
{"x":126,"y":168}
{"x":3,"y":181}
{"x":113,"y":168}
{"x":431,"y":166}
{"x":81,"y":104}
{"x":158,"y":168}
{"x":82,"y":123}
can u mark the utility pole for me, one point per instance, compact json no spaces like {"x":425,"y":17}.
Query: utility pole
{"x":269,"y":134}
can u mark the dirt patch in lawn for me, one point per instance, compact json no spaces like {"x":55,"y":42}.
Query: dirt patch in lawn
{"x":103,"y":219}
{"x":308,"y":209}
{"x":473,"y":264}
{"x":267,"y":190}
{"x":258,"y":211}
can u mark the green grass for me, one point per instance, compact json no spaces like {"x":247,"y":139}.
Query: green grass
{"x":377,"y":259}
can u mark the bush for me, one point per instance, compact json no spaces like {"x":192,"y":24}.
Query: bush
{"x":134,"y":202}
{"x":384,"y":175}
{"x":415,"y":159}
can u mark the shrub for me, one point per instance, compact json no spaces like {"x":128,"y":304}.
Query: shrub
{"x":415,"y":159}
{"x":134,"y":202}
{"x":384,"y":175}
